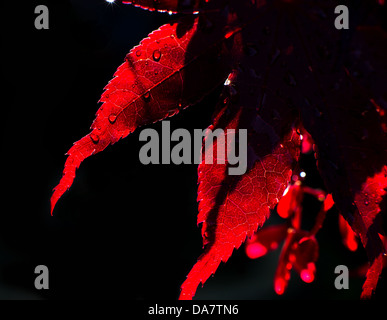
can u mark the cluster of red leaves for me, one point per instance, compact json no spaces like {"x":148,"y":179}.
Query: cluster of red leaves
{"x":287,"y":67}
{"x":300,"y":248}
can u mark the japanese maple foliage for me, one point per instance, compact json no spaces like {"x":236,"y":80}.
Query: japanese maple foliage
{"x":300,"y":249}
{"x":289,"y":73}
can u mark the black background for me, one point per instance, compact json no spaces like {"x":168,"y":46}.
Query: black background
{"x":124,"y":230}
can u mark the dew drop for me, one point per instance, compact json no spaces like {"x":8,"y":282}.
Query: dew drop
{"x":366,"y":202}
{"x":94,"y":137}
{"x":147,"y":96}
{"x":138,"y":53}
{"x":112,"y":118}
{"x":156,"y":55}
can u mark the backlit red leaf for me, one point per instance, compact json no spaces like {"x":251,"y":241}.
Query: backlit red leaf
{"x":231,"y":208}
{"x":291,"y":201}
{"x":349,"y":237}
{"x":165,"y":73}
{"x":265,"y":240}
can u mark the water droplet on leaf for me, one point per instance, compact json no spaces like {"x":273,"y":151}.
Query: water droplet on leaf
{"x":94,"y":137}
{"x":156,"y":55}
{"x":112,"y":118}
{"x":147,"y":96}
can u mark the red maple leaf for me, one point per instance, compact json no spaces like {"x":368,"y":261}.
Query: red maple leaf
{"x":287,"y":68}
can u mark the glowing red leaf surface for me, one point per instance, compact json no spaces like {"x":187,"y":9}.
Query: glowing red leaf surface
{"x":300,"y":252}
{"x":367,"y":202}
{"x":161,"y":76}
{"x":328,"y":202}
{"x":231,"y":208}
{"x":349,"y":237}
{"x":291,"y":201}
{"x":265,"y":240}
